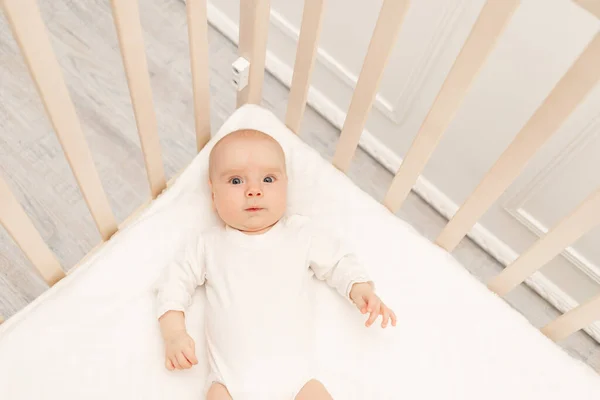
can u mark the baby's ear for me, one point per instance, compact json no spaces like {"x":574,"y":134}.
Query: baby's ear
{"x":212,"y":193}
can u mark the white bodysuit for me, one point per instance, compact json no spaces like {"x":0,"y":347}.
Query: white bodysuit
{"x":259,"y":316}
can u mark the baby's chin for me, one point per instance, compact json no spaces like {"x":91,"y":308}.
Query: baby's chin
{"x":256,"y":223}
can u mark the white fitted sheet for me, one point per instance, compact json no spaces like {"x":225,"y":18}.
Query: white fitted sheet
{"x":94,"y":334}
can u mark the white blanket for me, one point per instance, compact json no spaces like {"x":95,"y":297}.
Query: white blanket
{"x":94,"y":335}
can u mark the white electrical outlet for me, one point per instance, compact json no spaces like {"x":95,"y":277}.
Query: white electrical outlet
{"x":241,"y":71}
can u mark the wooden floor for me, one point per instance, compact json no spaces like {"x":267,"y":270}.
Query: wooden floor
{"x":32,"y":162}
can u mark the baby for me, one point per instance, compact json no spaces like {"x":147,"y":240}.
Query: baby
{"x":257,"y":269}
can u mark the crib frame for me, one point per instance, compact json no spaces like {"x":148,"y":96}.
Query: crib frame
{"x":30,"y":33}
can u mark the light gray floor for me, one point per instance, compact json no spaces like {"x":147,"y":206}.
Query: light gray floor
{"x":32,"y":162}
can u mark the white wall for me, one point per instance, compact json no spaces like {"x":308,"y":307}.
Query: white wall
{"x":542,"y":40}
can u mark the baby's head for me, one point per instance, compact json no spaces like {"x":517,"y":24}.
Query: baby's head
{"x":248,"y":180}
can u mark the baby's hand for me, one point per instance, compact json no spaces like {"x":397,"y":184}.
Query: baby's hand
{"x":363,"y":295}
{"x":180,"y":351}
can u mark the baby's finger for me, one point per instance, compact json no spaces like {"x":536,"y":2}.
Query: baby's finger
{"x":393,"y":317}
{"x":169,"y":365}
{"x":373,"y":303}
{"x":386,"y":315}
{"x":175,"y":363}
{"x":361,"y":304}
{"x":190,"y":355}
{"x":183,"y":361}
{"x":374,"y":313}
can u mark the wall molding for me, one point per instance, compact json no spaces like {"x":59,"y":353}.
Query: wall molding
{"x":569,"y":253}
{"x":326,"y":60}
{"x":582,"y":139}
{"x":391,"y":161}
{"x":420,"y":74}
{"x":559,"y":299}
{"x":399,"y":108}
{"x":516,"y":205}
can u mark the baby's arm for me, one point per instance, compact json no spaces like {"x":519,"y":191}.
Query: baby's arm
{"x":332,"y":262}
{"x":174,"y":296}
{"x":341,"y":269}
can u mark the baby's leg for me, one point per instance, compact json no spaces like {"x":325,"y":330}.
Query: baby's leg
{"x":313,"y":390}
{"x":218,"y":392}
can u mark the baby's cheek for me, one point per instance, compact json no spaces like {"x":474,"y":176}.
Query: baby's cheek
{"x":229,"y":205}
{"x":280,"y":197}
{"x":224,"y":207}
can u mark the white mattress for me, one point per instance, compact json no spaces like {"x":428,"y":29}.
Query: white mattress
{"x":94,"y":334}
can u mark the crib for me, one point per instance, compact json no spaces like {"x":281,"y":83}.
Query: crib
{"x":56,"y":324}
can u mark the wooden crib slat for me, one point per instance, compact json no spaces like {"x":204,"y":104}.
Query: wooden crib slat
{"x":574,"y":320}
{"x":381,"y":45}
{"x":124,"y":224}
{"x":487,"y":29}
{"x":585,"y":217}
{"x":306,"y":53}
{"x":592,"y":6}
{"x":129,"y":31}
{"x":21,"y":229}
{"x":562,"y":100}
{"x":254,"y":26}
{"x":198,"y":38}
{"x":245,"y":42}
{"x":30,"y":33}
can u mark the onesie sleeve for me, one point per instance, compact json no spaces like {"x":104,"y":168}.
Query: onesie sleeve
{"x":181,"y":277}
{"x":332,"y":261}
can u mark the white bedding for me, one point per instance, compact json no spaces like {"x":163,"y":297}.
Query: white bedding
{"x":94,"y":334}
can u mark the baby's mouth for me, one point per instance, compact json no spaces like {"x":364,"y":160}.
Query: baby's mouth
{"x":254,"y":209}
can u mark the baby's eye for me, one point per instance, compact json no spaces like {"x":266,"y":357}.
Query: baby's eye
{"x":235,"y":181}
{"x":269,"y":179}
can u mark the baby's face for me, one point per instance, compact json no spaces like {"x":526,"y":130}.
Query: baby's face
{"x":249,"y":182}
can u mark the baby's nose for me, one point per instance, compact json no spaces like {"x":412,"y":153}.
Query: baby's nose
{"x":253,"y":192}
